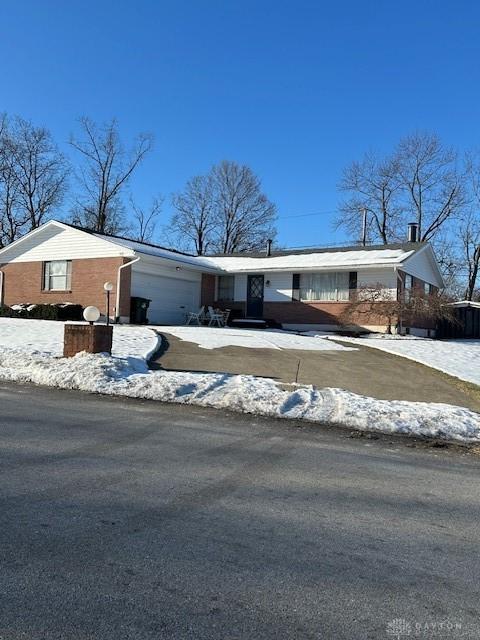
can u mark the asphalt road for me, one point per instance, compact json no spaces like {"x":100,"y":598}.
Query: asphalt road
{"x":123,"y":519}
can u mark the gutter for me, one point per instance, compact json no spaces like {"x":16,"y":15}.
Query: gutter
{"x":119,"y":275}
{"x":399,"y":292}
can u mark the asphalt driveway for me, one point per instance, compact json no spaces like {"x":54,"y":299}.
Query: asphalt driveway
{"x":136,"y":520}
{"x":366,"y":371}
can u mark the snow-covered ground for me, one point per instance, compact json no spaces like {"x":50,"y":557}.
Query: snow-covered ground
{"x":214,"y":338}
{"x":30,"y":350}
{"x":46,"y":337}
{"x":458,"y":358}
{"x":131,"y":377}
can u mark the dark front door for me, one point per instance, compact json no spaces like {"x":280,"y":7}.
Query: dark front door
{"x":255,"y":297}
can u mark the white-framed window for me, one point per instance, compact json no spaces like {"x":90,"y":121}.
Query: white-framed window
{"x":57,"y":275}
{"x":226,"y":288}
{"x":330,"y":286}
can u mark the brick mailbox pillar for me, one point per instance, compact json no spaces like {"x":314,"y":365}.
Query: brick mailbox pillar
{"x":92,"y":338}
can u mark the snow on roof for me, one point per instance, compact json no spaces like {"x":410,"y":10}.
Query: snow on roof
{"x":154,"y":250}
{"x":307,"y":261}
{"x":465,"y":303}
{"x":304,"y":260}
{"x":321,"y":259}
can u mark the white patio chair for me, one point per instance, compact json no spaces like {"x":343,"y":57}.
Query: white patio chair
{"x":226,"y":316}
{"x":198,"y":316}
{"x":216,"y":317}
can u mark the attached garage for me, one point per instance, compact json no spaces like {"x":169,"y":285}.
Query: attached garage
{"x":172,"y":294}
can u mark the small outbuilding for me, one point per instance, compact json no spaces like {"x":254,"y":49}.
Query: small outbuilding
{"x":466,"y":324}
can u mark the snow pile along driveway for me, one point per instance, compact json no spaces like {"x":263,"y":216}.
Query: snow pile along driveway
{"x":458,"y":358}
{"x":130,"y":377}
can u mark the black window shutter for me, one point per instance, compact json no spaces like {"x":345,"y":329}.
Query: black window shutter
{"x":352,"y":280}
{"x":296,"y":286}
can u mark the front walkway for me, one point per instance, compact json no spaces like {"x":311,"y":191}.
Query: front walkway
{"x":364,"y":370}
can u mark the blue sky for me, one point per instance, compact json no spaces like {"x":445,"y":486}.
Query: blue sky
{"x":294,"y":89}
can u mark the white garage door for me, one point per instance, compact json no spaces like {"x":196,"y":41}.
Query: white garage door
{"x":171,"y":298}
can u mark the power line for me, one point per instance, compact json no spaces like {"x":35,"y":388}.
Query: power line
{"x":308,"y":215}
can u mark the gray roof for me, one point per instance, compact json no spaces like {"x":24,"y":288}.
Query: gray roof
{"x":405,"y":246}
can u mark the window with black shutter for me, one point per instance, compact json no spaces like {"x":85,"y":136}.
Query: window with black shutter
{"x":296,"y":286}
{"x":352,"y":280}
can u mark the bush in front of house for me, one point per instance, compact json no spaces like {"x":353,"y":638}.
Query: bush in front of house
{"x":57,"y":311}
{"x":6,"y":312}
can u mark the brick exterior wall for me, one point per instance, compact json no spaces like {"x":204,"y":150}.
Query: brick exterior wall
{"x":296,"y":312}
{"x":208,"y":289}
{"x":301,"y":312}
{"x":418,"y":286}
{"x":23,"y":283}
{"x":90,"y":338}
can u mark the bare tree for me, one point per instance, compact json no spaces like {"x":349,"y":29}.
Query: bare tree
{"x":193,"y":218}
{"x":433,"y":190}
{"x":244,"y":217}
{"x":450,"y":261}
{"x":470,"y":237}
{"x":224,"y":211}
{"x":469,"y":227}
{"x":375,"y":304}
{"x":10,"y":220}
{"x":419,"y":181}
{"x":33,"y":176}
{"x":106,"y":169}
{"x":373,"y":185}
{"x":37,"y":168}
{"x":145,"y":220}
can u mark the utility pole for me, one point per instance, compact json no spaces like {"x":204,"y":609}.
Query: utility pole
{"x":364,"y":226}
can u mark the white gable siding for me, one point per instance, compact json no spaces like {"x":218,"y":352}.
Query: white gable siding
{"x":57,"y":243}
{"x":420,"y":266}
{"x":280,"y":289}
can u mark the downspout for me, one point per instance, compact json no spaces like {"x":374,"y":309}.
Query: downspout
{"x":119,"y":275}
{"x":1,"y":288}
{"x":399,"y":292}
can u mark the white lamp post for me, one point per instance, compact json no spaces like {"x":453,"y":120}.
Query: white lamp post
{"x":91,"y":314}
{"x":107,"y":287}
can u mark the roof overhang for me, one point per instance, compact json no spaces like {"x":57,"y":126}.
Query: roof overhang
{"x":178,"y":260}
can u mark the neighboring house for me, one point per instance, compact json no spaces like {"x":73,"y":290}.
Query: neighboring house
{"x":304,"y":289}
